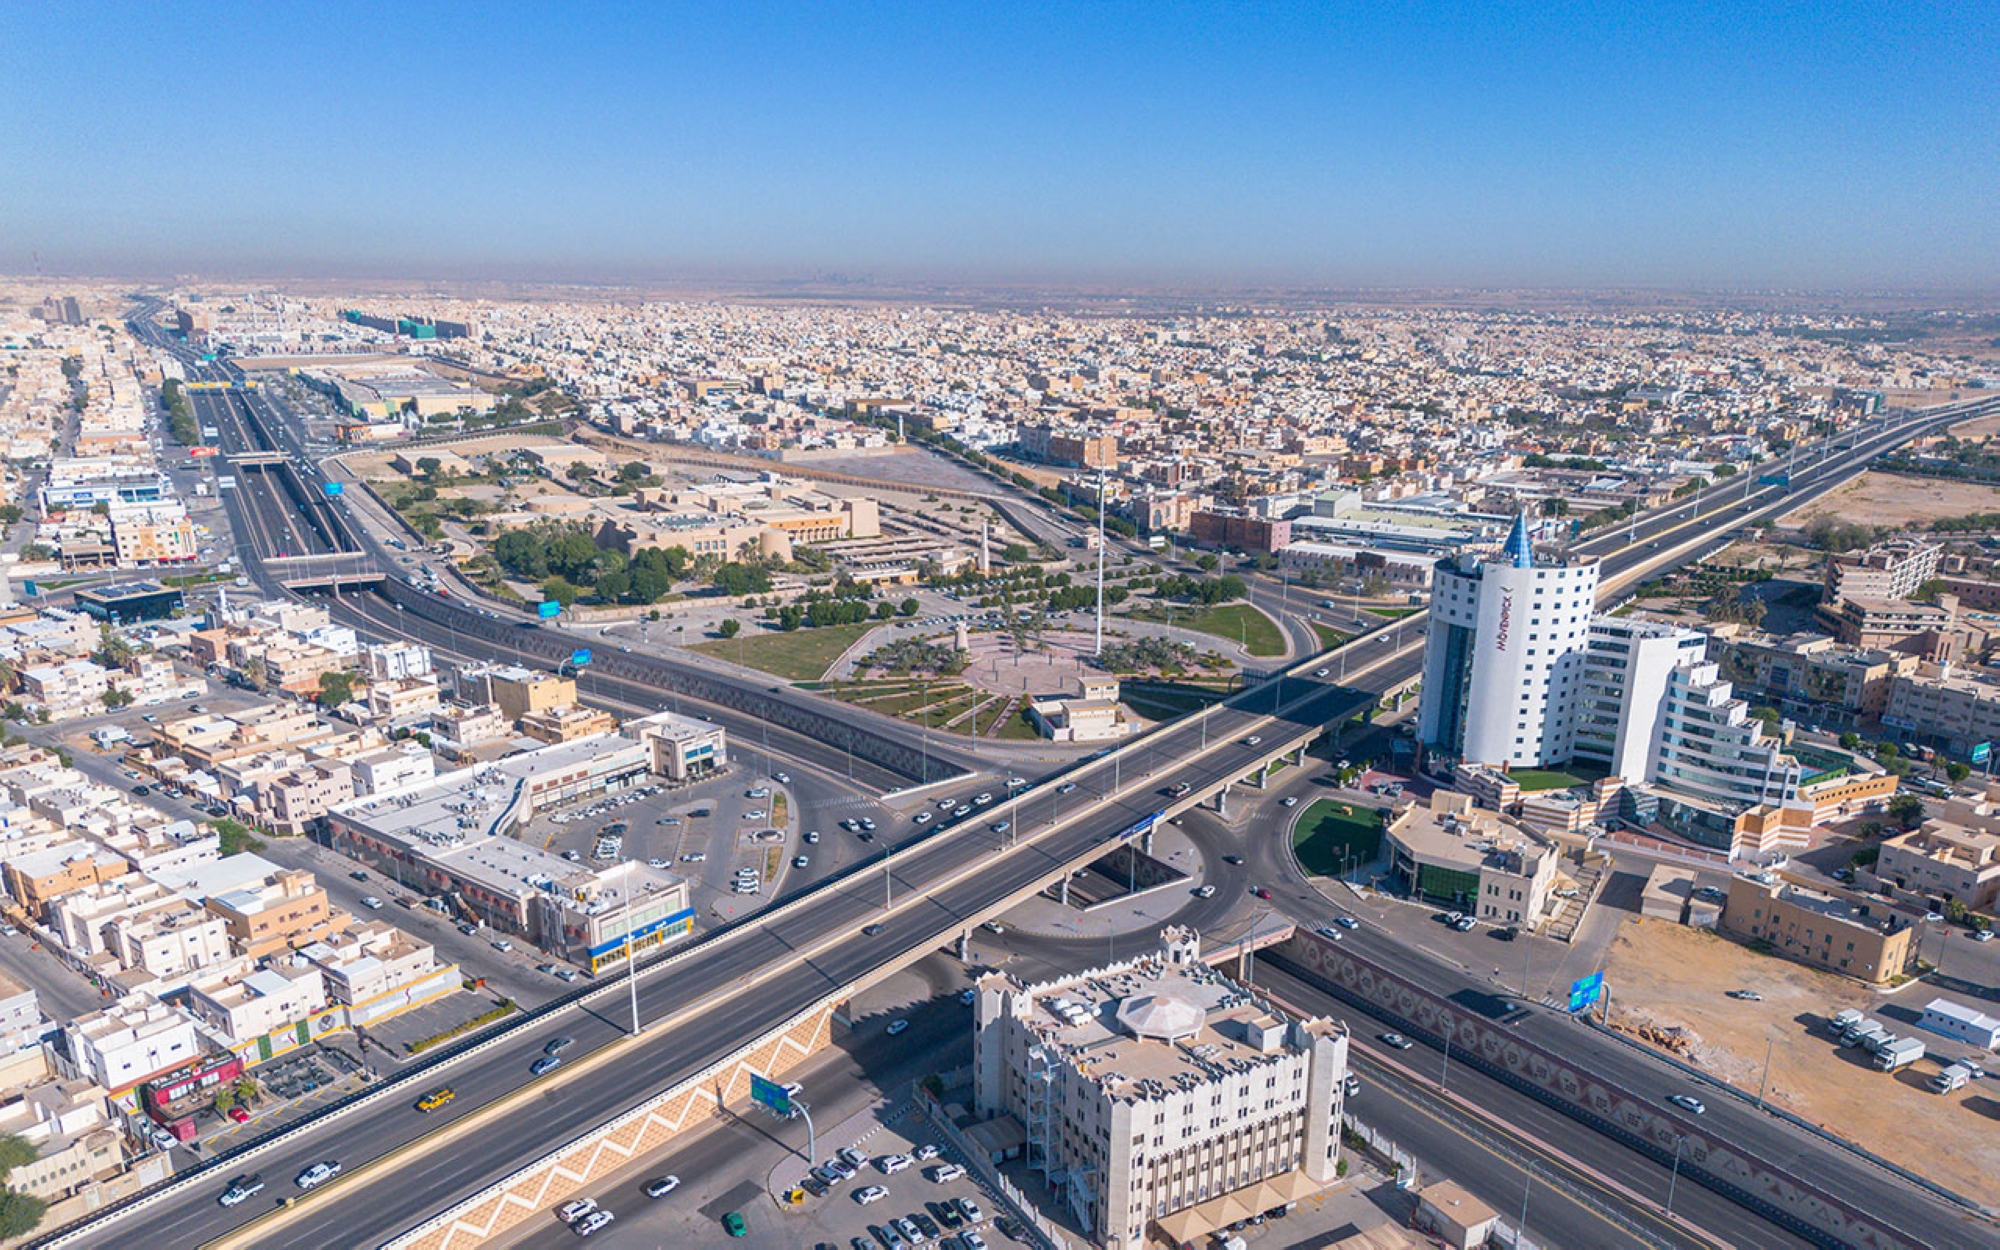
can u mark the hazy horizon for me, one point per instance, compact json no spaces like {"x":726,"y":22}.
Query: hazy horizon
{"x":1184,"y":149}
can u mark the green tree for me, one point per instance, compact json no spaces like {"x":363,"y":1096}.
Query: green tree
{"x":730,"y":627}
{"x":580,"y":472}
{"x":737,"y":579}
{"x":1957,"y":771}
{"x":908,"y":607}
{"x":633,"y":472}
{"x":19,"y":1213}
{"x":10,"y":513}
{"x":1907,"y":810}
{"x":1207,"y":561}
{"x":429,"y":466}
{"x":335,"y":688}
{"x":562,"y":591}
{"x":114,"y":698}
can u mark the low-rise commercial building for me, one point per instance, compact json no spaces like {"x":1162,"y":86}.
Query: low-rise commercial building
{"x":1864,"y":940}
{"x":1453,"y":852}
{"x":449,"y":838}
{"x":680,"y":748}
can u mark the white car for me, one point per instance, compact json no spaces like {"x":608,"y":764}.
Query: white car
{"x":317,"y":1174}
{"x":945,"y":1173}
{"x":897,"y":1026}
{"x":873,"y":1193}
{"x":892,"y":1164}
{"x":371,"y":902}
{"x":1204,"y":891}
{"x":927,"y":1151}
{"x":922,"y":818}
{"x":755,"y":813}
{"x":592,"y":1222}
{"x":571,"y":1212}
{"x":1291,"y":800}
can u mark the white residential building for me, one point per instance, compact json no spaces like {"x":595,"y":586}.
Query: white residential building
{"x":137,"y":1038}
{"x":1626,"y":674}
{"x":1712,"y":748}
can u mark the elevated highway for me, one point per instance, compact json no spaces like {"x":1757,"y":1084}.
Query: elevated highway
{"x":746,"y":980}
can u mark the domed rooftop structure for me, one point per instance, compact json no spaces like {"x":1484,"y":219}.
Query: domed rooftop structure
{"x":1163,"y":1016}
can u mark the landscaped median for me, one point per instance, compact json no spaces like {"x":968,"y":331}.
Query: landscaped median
{"x":505,"y":1007}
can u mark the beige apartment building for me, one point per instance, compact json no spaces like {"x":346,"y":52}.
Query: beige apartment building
{"x":518,"y":691}
{"x":144,"y":534}
{"x":286,"y":909}
{"x":1892,"y":570}
{"x":1961,"y":707}
{"x":1944,"y":862}
{"x":294,"y":802}
{"x":1163,"y":1095}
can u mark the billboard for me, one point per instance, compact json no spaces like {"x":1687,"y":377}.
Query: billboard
{"x":333,"y":489}
{"x":1585,"y":990}
{"x":766,"y":1092}
{"x":202,"y":451}
{"x":1980,"y":753}
{"x":548,"y":609}
{"x":579,"y":657}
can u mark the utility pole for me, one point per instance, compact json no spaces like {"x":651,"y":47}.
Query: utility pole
{"x":1102,"y":482}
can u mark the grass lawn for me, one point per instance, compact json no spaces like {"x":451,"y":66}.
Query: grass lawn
{"x":1232,"y":621}
{"x":1329,"y":637}
{"x":802,"y":655}
{"x":1328,"y":829}
{"x":1533,"y":779}
{"x":1392,"y":613}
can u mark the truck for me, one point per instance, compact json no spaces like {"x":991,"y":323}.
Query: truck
{"x":1953,"y":1076}
{"x":1850,"y":1033}
{"x":1898,"y":1052}
{"x":1843,"y":1018}
{"x":1873,"y":1038}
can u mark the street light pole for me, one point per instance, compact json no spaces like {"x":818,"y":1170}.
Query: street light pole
{"x":1674,"y":1179}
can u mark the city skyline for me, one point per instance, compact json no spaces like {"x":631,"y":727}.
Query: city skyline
{"x":1196,"y":148}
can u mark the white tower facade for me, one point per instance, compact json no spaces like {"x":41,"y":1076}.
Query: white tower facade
{"x":1503,"y":667}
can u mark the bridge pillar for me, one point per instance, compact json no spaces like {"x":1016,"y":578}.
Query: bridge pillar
{"x":1146,"y":842}
{"x":1222,"y":802}
{"x":964,"y":945}
{"x":1062,"y":888}
{"x":1299,"y":756}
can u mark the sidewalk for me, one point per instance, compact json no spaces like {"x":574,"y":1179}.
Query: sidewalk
{"x":855,"y":1131}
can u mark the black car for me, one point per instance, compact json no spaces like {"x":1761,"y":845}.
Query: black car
{"x":926,"y":1223}
{"x":1507,"y":934}
{"x":142,"y":790}
{"x":870,"y":930}
{"x":814,"y":1186}
{"x":1232,"y":859}
{"x":947,"y":1214}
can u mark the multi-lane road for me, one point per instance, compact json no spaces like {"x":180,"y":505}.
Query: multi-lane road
{"x":748,"y":979}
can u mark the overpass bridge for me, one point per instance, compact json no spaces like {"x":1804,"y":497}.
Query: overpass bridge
{"x":326,"y":571}
{"x":746,"y":982}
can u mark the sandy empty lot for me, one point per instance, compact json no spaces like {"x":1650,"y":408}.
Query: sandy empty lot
{"x":1889,"y":499}
{"x":1665,"y":976}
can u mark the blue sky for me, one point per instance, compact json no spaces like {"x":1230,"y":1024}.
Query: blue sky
{"x":1739,"y":146}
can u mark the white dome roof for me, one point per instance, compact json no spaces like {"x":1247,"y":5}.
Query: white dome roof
{"x":1165,"y":1016}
